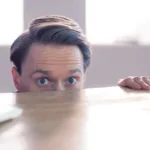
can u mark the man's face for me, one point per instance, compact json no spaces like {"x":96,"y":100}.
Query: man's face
{"x":50,"y":67}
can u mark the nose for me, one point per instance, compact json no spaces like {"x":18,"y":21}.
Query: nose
{"x":59,"y":86}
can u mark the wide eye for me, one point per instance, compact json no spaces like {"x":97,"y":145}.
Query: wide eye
{"x":71,"y":80}
{"x":43,"y":81}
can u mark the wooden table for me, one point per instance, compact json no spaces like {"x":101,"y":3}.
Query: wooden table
{"x":93,"y":119}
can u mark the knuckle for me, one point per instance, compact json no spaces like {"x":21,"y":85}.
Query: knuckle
{"x":137,"y":79}
{"x":128,"y":80}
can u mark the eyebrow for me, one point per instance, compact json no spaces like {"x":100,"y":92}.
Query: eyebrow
{"x":75,"y":70}
{"x":48,"y":72}
{"x":41,"y":71}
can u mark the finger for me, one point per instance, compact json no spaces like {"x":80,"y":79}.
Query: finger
{"x":146,"y":80}
{"x":130,"y":83}
{"x":144,"y":85}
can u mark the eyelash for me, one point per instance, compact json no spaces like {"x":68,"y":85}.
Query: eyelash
{"x":50,"y":80}
{"x":75,"y":77}
{"x":41,"y":78}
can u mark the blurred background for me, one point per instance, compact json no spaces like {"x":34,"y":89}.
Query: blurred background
{"x":119,"y":31}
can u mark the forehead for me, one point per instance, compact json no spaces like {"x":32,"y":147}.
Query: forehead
{"x":54,"y":57}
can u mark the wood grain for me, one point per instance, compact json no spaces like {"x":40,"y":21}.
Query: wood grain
{"x":91,"y":119}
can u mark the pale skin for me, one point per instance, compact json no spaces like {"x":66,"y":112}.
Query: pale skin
{"x":136,"y":83}
{"x":50,"y":67}
{"x":60,"y":67}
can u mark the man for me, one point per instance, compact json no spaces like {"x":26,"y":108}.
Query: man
{"x":137,"y":83}
{"x":52,"y":54}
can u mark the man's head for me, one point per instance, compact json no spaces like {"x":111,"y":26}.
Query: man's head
{"x":53,"y":54}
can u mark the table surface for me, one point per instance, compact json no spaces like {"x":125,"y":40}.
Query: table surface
{"x":91,"y":119}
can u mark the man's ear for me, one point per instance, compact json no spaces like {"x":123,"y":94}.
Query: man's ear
{"x":16,"y":78}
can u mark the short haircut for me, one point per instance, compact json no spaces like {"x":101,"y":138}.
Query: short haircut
{"x":50,"y":30}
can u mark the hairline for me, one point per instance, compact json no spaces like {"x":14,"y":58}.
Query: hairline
{"x":36,"y":43}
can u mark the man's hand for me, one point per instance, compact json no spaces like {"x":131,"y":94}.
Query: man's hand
{"x":136,"y":83}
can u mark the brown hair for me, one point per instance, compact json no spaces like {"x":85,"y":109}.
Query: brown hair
{"x":50,"y":30}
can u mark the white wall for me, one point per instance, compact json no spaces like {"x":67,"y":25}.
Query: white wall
{"x":109,"y":62}
{"x":72,"y":8}
{"x":6,"y":84}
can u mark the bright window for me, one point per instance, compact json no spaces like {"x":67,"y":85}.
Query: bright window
{"x":110,"y":20}
{"x":11,"y":20}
